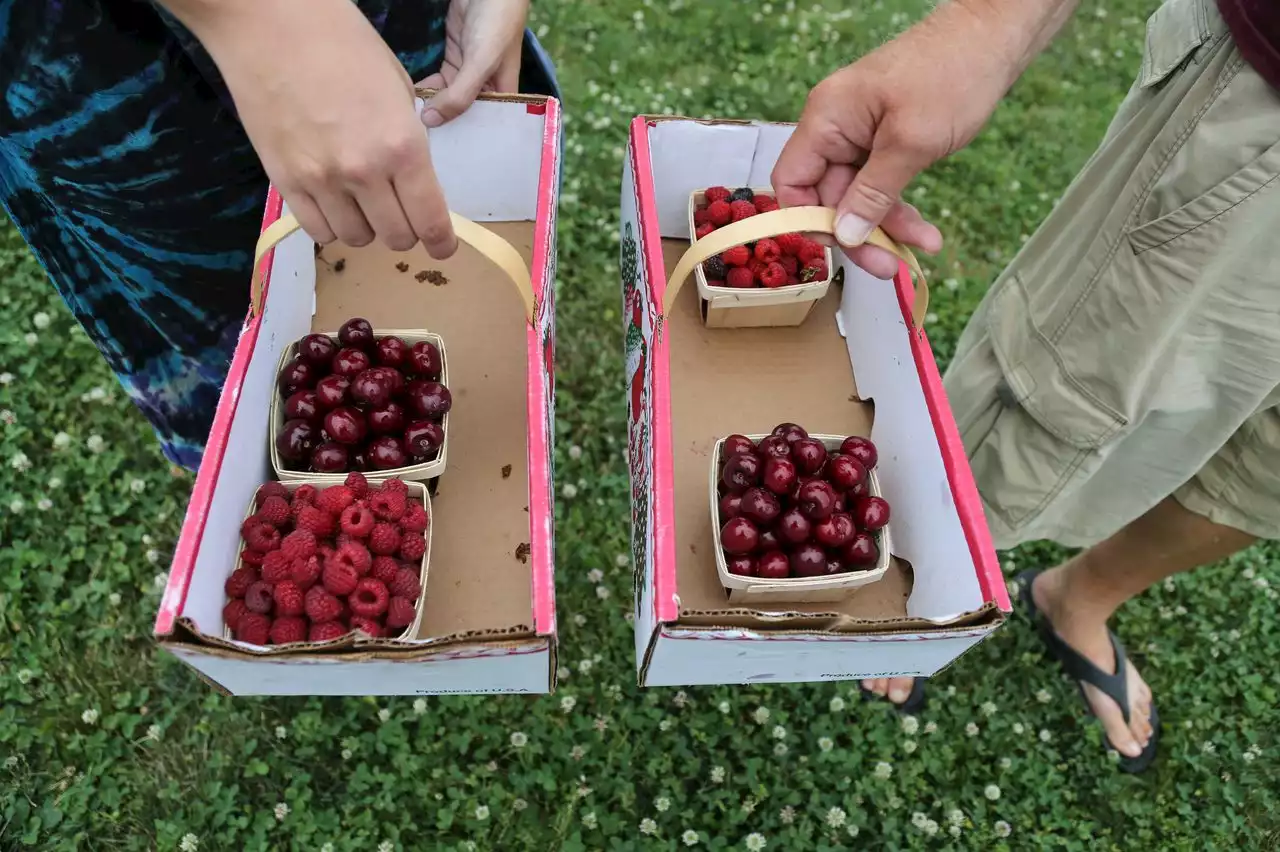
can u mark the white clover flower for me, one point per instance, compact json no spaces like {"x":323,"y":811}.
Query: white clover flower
{"x":11,"y":762}
{"x":55,"y":483}
{"x":7,"y":417}
{"x":910,"y":724}
{"x":518,"y":804}
{"x":930,"y":828}
{"x":754,"y":842}
{"x":724,"y":707}
{"x":137,"y":486}
{"x":569,"y":491}
{"x":346,"y":754}
{"x":328,"y":847}
{"x":567,"y":703}
{"x":40,"y":320}
{"x":681,"y":699}
{"x":909,"y":746}
{"x":837,"y":704}
{"x":44,"y":504}
{"x":577,"y":753}
{"x":16,"y":505}
{"x":602,"y":592}
{"x":1043,"y":696}
{"x":648,"y":826}
{"x":787,"y":815}
{"x":519,"y":739}
{"x":98,"y":393}
{"x":386,"y":846}
{"x":1003,"y":829}
{"x":589,"y":819}
{"x":780,"y":749}
{"x":931,"y":728}
{"x":281,"y":732}
{"x":971,"y":729}
{"x":662,"y":803}
{"x":761,"y":715}
{"x":690,"y":838}
{"x":779,"y":732}
{"x":954,"y":831}
{"x":836,"y":817}
{"x":154,"y":732}
{"x":95,"y":444}
{"x":918,"y":819}
{"x":825,"y":743}
{"x":955,"y":816}
{"x":25,"y":676}
{"x":664,"y":725}
{"x":595,"y":575}
{"x":419,"y":706}
{"x":90,"y":716}
{"x":1045,"y":736}
{"x":575,"y":452}
{"x":748,"y":805}
{"x":281,"y":811}
{"x":384,"y":714}
{"x":20,"y":461}
{"x":622,"y":560}
{"x":190,"y":843}
{"x":31,"y":338}
{"x":1018,"y":728}
{"x":988,"y":708}
{"x":1207,"y":747}
{"x":6,"y":378}
{"x":853,"y":830}
{"x":482,"y":812}
{"x":585,"y":666}
{"x":883,"y":771}
{"x":991,"y":791}
{"x":1006,"y":762}
{"x":601,"y":724}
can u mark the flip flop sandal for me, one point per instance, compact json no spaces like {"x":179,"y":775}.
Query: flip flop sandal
{"x":1078,"y":667}
{"x":915,"y":702}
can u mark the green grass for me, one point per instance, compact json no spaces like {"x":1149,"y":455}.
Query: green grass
{"x":107,"y":743}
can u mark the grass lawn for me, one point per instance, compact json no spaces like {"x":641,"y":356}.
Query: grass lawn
{"x":107,"y":743}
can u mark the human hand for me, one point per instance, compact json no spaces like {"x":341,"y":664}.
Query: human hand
{"x":483,"y":40}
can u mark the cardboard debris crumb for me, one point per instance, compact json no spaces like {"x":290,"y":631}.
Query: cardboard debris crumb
{"x":522,"y":552}
{"x":506,"y":471}
{"x":402,"y":266}
{"x":339,"y":264}
{"x":433,"y":276}
{"x":319,"y":248}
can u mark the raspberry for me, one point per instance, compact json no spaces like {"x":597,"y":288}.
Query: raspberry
{"x":276,"y":567}
{"x":791,"y":264}
{"x":701,"y":217}
{"x":251,"y":557}
{"x":400,"y":613}
{"x":765,"y":203}
{"x":412,"y":547}
{"x":714,"y":267}
{"x":258,"y":598}
{"x":326,"y":632}
{"x":240,"y":581}
{"x":740,"y":277}
{"x":757,"y":268}
{"x":357,"y":483}
{"x":253,"y":628}
{"x":288,"y":628}
{"x":324,"y":551}
{"x":385,"y":569}
{"x":740,"y":210}
{"x":767,"y":251}
{"x":272,"y":489}
{"x":790,"y":243}
{"x":233,"y":612}
{"x":370,"y":598}
{"x":316,"y":521}
{"x":742,"y":193}
{"x":356,"y":555}
{"x":406,"y":584}
{"x":717,"y":193}
{"x":385,"y":539}
{"x":703,"y":230}
{"x":288,"y":598}
{"x":335,"y":498}
{"x":736,"y":256}
{"x":774,"y":276}
{"x":415,"y":519}
{"x":260,"y":535}
{"x":275,"y":511}
{"x":792,"y":280}
{"x":395,"y":486}
{"x":810,"y":251}
{"x":305,"y":494}
{"x":299,"y":544}
{"x":368,"y":626}
{"x":320,"y":605}
{"x":306,"y":572}
{"x":388,"y":505}
{"x":720,"y":213}
{"x":339,"y":578}
{"x":816,"y":270}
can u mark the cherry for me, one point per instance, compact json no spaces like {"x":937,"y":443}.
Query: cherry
{"x":871,"y":513}
{"x":861,"y":449}
{"x":297,"y":375}
{"x":775,"y":446}
{"x":730,"y":506}
{"x":385,"y":453}
{"x":735,"y":444}
{"x":386,"y":420}
{"x":760,"y":506}
{"x":425,"y":360}
{"x":809,"y":560}
{"x":780,"y":476}
{"x":329,"y":458}
{"x":742,"y":566}
{"x":769,"y":541}
{"x":350,"y":362}
{"x":331,"y":391}
{"x":741,"y":472}
{"x":739,"y":536}
{"x":356,"y":333}
{"x":845,"y":472}
{"x":835,"y":530}
{"x":809,"y":455}
{"x":302,"y":405}
{"x":317,"y":349}
{"x":372,"y":386}
{"x":295,"y":440}
{"x":345,"y":425}
{"x":428,"y":399}
{"x":391,"y":351}
{"x":394,"y":377}
{"x":791,"y":432}
{"x":861,"y":551}
{"x":794,"y":527}
{"x":816,"y":499}
{"x":774,"y":565}
{"x":422,"y":439}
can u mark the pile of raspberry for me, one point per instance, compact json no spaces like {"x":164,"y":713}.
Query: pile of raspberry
{"x":318,"y":564}
{"x":778,"y":262}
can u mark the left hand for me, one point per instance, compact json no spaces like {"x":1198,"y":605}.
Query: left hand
{"x":483,"y":40}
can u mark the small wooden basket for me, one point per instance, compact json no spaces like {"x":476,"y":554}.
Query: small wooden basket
{"x":753,"y":590}
{"x":419,"y":472}
{"x":416,"y":489}
{"x":730,"y":307}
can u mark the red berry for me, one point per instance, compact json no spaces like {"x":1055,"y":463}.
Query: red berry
{"x":701,"y":217}
{"x":276,"y":567}
{"x":240,"y":581}
{"x":334,"y":499}
{"x":340,"y":577}
{"x":741,"y":472}
{"x":790,"y":244}
{"x":809,"y":560}
{"x":288,"y":628}
{"x":845,"y":472}
{"x":405,"y":584}
{"x":316,"y":521}
{"x":773,"y":565}
{"x":816,"y":499}
{"x":736,"y":256}
{"x":793,"y":527}
{"x":702,"y":230}
{"x":719,"y":213}
{"x":357,"y":332}
{"x":272,"y":489}
{"x":835,"y":531}
{"x":368,"y":626}
{"x":388,"y":504}
{"x":275,"y":511}
{"x":739,"y":210}
{"x":233,"y":612}
{"x":412,"y":547}
{"x":415,"y":519}
{"x":299,"y":544}
{"x":730,"y":506}
{"x":861,"y":449}
{"x":765,"y":203}
{"x":370,"y":598}
{"x":395,"y":485}
{"x":261,"y":536}
{"x":385,"y":539}
{"x":740,"y":278}
{"x":739,"y":536}
{"x":251,"y":557}
{"x":871,"y":513}
{"x":355,"y":554}
{"x":767,"y":251}
{"x":774,"y":276}
{"x":385,"y":569}
{"x":326,"y":631}
{"x":815,"y":270}
{"x":400,"y":612}
{"x":811,"y":250}
{"x":288,"y":598}
{"x":306,"y":572}
{"x":254,"y":628}
{"x":258,"y":598}
{"x":357,"y":483}
{"x":717,"y":193}
{"x":305,"y":494}
{"x":861,"y":551}
{"x":357,"y":521}
{"x":426,"y":360}
{"x":320,"y":605}
{"x":741,"y":566}
{"x":790,"y":265}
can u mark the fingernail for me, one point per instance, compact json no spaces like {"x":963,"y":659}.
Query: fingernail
{"x":432,"y":117}
{"x":852,"y":230}
{"x":868,"y":684}
{"x":898,"y":695}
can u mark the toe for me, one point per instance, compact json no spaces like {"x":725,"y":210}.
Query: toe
{"x":1119,"y":734}
{"x":900,"y":689}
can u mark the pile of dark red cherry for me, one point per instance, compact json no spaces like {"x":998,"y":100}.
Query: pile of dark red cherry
{"x":361,"y":402}
{"x":791,"y":507}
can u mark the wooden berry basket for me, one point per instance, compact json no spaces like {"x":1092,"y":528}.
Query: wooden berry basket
{"x":731,"y":307}
{"x":751,"y":590}
{"x":416,"y":489}
{"x":420,"y":472}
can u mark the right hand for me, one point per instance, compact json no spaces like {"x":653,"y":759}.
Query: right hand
{"x":332,"y":119}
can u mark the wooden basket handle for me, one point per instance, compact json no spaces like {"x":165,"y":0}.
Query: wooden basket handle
{"x":820,"y":220}
{"x":489,"y":244}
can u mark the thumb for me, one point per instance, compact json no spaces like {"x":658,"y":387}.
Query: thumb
{"x":876,"y":188}
{"x":452,"y":101}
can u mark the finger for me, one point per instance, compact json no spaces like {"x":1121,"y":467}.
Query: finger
{"x":424,"y":205}
{"x":834,"y":183}
{"x":453,"y":100}
{"x":382,"y":210}
{"x":344,"y":216}
{"x":507,"y":77}
{"x":905,"y":224}
{"x":900,"y":689}
{"x":875,"y":260}
{"x":307,"y":212}
{"x":874,"y":191}
{"x":798,"y":170}
{"x":435,"y":81}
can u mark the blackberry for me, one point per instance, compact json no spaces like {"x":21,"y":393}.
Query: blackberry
{"x":714,"y":269}
{"x":742,"y":193}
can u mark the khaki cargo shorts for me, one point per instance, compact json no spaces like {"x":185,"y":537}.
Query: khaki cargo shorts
{"x":1131,"y":351}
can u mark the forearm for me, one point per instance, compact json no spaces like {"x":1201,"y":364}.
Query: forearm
{"x":1016,"y":31}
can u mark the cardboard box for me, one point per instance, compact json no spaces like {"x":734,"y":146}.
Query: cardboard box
{"x":857,"y":365}
{"x":489,"y":621}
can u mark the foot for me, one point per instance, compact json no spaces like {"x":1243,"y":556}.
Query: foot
{"x":896,"y":689}
{"x":1083,"y":626}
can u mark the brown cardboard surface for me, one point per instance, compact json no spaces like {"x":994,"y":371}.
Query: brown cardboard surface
{"x":748,"y":380}
{"x":478,"y":517}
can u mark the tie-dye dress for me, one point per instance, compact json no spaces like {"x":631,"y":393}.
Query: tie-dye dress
{"x":124,"y":166}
